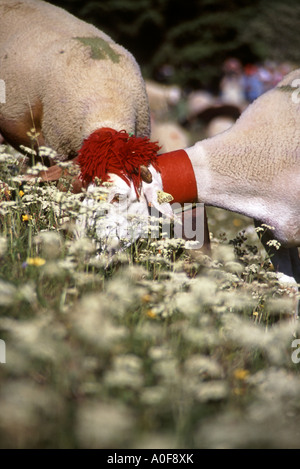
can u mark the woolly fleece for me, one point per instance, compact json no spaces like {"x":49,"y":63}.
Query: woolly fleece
{"x":66,"y":76}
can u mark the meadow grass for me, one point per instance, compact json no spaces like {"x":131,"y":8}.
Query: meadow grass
{"x":155,"y":347}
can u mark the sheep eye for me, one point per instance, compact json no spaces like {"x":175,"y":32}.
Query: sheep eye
{"x":116,"y":198}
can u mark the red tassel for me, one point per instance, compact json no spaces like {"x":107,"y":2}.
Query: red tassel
{"x":109,"y":151}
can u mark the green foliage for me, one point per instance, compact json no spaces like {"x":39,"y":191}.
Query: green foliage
{"x":276,"y":31}
{"x":195,"y":37}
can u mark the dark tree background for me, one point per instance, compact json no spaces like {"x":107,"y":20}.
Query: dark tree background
{"x":194,"y":37}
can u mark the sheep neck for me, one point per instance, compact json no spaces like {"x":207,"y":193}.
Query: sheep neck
{"x":178,"y":176}
{"x":227,"y":177}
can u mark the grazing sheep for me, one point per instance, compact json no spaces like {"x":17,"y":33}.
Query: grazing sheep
{"x":218,"y":125}
{"x":65,"y":78}
{"x":204,"y":106}
{"x":162,"y":97}
{"x":253,"y":169}
{"x":81,"y":93}
{"x":170,"y":136}
{"x":78,"y":88}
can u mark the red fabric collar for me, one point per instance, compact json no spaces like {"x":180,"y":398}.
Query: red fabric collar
{"x":178,"y":176}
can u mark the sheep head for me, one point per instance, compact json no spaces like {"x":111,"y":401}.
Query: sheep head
{"x":129,"y":164}
{"x":115,"y":215}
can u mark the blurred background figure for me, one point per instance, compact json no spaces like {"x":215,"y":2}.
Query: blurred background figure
{"x":162,"y":97}
{"x":170,"y":135}
{"x":254,"y":82}
{"x":232,"y":83}
{"x":165,"y":128}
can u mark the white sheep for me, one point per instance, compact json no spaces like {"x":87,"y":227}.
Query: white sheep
{"x":253,"y":169}
{"x":218,"y":125}
{"x":170,"y":135}
{"x":80,"y":92}
{"x":162,"y":97}
{"x":65,"y":78}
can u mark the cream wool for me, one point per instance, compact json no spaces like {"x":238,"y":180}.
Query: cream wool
{"x":65,"y":78}
{"x":253,"y":168}
{"x":68,"y":80}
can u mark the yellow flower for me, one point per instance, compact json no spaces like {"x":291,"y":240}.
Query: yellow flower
{"x":37,"y":261}
{"x":240,"y":374}
{"x":237,"y":222}
{"x":151,"y":314}
{"x":146,"y":298}
{"x":21,"y":193}
{"x":239,"y":391}
{"x":26,"y":217}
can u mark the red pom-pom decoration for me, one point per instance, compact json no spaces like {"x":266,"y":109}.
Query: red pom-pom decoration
{"x":109,"y":151}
